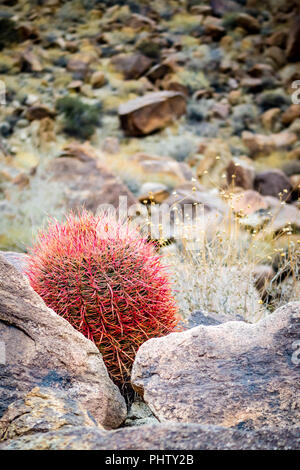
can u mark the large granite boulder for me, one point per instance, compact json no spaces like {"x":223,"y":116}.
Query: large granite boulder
{"x":170,"y":436}
{"x":40,"y":348}
{"x":234,"y":374}
{"x":152,"y":112}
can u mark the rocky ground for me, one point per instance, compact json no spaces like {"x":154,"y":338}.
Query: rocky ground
{"x":165,"y":103}
{"x":226,"y":386}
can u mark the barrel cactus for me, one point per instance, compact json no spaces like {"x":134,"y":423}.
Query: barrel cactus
{"x":107,"y":281}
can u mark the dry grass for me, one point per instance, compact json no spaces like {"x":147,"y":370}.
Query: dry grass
{"x":217,"y":274}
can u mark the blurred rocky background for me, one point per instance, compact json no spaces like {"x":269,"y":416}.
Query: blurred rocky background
{"x":163,"y":102}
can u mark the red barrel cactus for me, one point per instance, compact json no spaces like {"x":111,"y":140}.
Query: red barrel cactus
{"x":107,"y":281}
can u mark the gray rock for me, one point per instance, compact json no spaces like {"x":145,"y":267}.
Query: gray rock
{"x":169,"y":436}
{"x":200,"y":318}
{"x":40,"y":348}
{"x":139,"y":414}
{"x":234,"y":375}
{"x":18,"y":260}
{"x":42,"y":410}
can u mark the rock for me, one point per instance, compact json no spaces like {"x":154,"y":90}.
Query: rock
{"x":295,"y":182}
{"x":140,"y":414}
{"x":273,"y":183}
{"x":111,"y":145}
{"x":252,"y":83}
{"x":248,"y":202}
{"x":212,"y":166}
{"x":98,"y":79}
{"x":30,"y":62}
{"x":276,"y":55}
{"x":40,"y":411}
{"x":178,"y":87}
{"x":216,"y":31}
{"x":167,"y":167}
{"x":282,"y":216}
{"x":152,"y":112}
{"x":293,"y":42}
{"x":236,"y":375}
{"x":278,"y":39}
{"x":158,"y":71}
{"x":291,"y":167}
{"x":248,"y":22}
{"x":240,"y":174}
{"x":234,"y":97}
{"x":137,"y":21}
{"x":292,"y":113}
{"x":86,"y":183}
{"x":261,"y":70}
{"x":75,"y":85}
{"x":221,"y":110}
{"x":39,"y":112}
{"x":132,"y":66}
{"x":269,"y":118}
{"x":42,"y":349}
{"x":18,"y":260}
{"x":170,"y":436}
{"x":192,"y":211}
{"x":153,"y":192}
{"x":195,"y":194}
{"x":260,"y":143}
{"x":277,"y":98}
{"x":207,"y":319}
{"x":79,"y":66}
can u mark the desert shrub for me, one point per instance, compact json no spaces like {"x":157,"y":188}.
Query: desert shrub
{"x":214,"y":268}
{"x":26,"y":211}
{"x":80,"y":119}
{"x":179,"y":147}
{"x":216,"y":278}
{"x":108,"y":282}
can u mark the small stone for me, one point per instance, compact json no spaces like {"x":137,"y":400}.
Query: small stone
{"x":248,"y":22}
{"x":98,"y":79}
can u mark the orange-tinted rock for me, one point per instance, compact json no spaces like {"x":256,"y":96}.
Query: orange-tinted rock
{"x":292,"y":113}
{"x":30,"y":62}
{"x":269,"y":118}
{"x":248,"y":202}
{"x":260,"y":143}
{"x":278,"y":38}
{"x":295,"y":182}
{"x":98,"y":79}
{"x":154,"y":111}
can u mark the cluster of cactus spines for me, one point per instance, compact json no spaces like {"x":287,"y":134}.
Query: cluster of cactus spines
{"x":107,"y":281}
